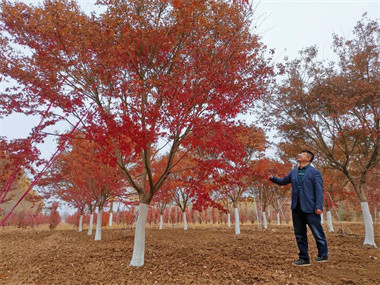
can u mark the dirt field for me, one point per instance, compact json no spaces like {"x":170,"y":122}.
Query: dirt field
{"x":202,"y":255}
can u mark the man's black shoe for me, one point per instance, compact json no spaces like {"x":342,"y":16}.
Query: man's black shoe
{"x":321,"y":259}
{"x":301,"y":262}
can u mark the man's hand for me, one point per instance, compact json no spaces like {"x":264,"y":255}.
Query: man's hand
{"x":270,"y":177}
{"x":318,"y":211}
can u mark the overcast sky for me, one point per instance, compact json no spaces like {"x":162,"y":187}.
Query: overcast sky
{"x":287,"y":26}
{"x":293,"y":25}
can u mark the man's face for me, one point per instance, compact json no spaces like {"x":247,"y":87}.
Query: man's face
{"x":303,"y":157}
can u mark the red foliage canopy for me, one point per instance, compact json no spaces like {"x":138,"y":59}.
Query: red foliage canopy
{"x":156,"y":71}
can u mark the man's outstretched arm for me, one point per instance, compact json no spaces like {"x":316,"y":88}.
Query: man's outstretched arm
{"x":281,"y":181}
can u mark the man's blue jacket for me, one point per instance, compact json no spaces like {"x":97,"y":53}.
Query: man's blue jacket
{"x":311,"y":190}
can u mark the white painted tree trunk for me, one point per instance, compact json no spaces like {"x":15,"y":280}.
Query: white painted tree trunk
{"x":265,"y":223}
{"x":98,"y":231}
{"x":322,"y":219}
{"x":80,"y":227}
{"x":369,"y":238}
{"x":184,"y":221}
{"x":90,"y":224}
{"x":237,"y":221}
{"x":329,"y":222}
{"x":228,"y":219}
{"x":278,"y":219}
{"x":110,"y":220}
{"x":161,"y":219}
{"x":139,"y":244}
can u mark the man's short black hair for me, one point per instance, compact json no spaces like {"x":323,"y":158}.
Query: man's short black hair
{"x":309,"y":152}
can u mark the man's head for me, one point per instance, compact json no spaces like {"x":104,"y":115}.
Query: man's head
{"x":305,"y":156}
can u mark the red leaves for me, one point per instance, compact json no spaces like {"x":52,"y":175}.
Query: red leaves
{"x":80,"y":176}
{"x":156,"y":73}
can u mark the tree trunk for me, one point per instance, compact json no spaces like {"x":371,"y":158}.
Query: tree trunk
{"x":257,"y":215}
{"x":110,"y":220}
{"x":111,"y":214}
{"x":161,"y":219}
{"x":322,"y":219}
{"x":329,"y":221}
{"x":80,"y":227}
{"x":90,"y":225}
{"x":237,"y":219}
{"x":139,"y":243}
{"x":278,"y":219}
{"x":184,"y":221}
{"x":369,"y":238}
{"x":228,"y":219}
{"x":265,"y":223}
{"x":374,"y":211}
{"x":98,"y":231}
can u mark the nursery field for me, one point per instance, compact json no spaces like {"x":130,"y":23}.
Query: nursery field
{"x":205,"y":254}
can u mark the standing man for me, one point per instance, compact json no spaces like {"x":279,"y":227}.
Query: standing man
{"x":307,"y":205}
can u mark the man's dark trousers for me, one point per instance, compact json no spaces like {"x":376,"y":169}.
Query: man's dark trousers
{"x":300,"y":220}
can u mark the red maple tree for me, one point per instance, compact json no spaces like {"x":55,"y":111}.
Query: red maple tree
{"x":150,"y":71}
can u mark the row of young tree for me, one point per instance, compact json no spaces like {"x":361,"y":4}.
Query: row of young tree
{"x":173,"y":216}
{"x":249,"y":213}
{"x":28,"y":218}
{"x":157,"y":87}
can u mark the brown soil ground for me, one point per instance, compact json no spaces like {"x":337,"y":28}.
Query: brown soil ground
{"x":202,"y":255}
